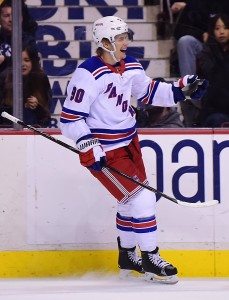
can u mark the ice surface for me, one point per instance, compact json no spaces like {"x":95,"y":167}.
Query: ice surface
{"x":94,"y":286}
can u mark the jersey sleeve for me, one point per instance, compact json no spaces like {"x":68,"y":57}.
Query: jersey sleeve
{"x":152,"y":92}
{"x":159,"y":94}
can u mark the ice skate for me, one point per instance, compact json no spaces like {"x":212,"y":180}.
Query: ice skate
{"x":128,"y":261}
{"x":157,"y":269}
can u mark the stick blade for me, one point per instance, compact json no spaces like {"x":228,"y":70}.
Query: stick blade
{"x":198,"y":204}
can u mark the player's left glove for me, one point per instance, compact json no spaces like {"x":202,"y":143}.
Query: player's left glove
{"x":189,"y":87}
{"x":91,"y":153}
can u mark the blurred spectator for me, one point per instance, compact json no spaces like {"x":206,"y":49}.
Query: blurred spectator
{"x":28,"y":32}
{"x":158,"y":117}
{"x":214,"y":66}
{"x":29,"y":25}
{"x":190,"y":32}
{"x":164,"y":22}
{"x":36,"y":91}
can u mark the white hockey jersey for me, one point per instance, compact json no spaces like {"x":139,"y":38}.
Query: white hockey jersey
{"x":98,"y":100}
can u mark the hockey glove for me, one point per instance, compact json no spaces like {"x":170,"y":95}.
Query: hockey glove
{"x":5,"y":50}
{"x":189,"y":87}
{"x":196,"y":90}
{"x":91,"y":154}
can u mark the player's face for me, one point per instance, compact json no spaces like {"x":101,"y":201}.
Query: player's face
{"x":121,"y":44}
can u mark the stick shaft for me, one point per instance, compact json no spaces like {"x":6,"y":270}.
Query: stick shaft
{"x":47,"y":136}
{"x":142,"y":184}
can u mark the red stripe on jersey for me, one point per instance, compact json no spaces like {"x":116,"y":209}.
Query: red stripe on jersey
{"x":145,"y":224}
{"x":146,"y":100}
{"x":123,"y":223}
{"x":181,"y":83}
{"x":133,"y":65}
{"x":69,"y":116}
{"x":99,"y":70}
{"x":112,"y":136}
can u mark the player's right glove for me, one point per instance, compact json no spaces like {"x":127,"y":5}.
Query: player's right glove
{"x":91,"y":153}
{"x":5,"y":50}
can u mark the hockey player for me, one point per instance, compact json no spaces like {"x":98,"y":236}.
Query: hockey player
{"x":97,"y":115}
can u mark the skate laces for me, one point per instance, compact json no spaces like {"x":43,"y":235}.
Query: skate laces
{"x":133,"y":256}
{"x":157,"y":260}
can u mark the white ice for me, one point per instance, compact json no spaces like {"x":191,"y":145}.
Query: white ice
{"x":93,"y":287}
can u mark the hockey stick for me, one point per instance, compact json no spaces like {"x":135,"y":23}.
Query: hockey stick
{"x":197,"y":204}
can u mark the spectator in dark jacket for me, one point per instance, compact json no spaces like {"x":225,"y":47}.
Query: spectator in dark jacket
{"x":28,"y":32}
{"x":191,"y":26}
{"x":214,"y":66}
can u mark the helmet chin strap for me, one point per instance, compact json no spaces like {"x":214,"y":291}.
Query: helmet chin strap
{"x":111,"y":51}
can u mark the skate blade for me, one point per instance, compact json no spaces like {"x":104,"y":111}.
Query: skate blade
{"x":129,"y":274}
{"x":173,"y":279}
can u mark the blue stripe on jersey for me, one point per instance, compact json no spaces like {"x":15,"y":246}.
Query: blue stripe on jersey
{"x":133,"y":66}
{"x":153,"y":91}
{"x":108,"y":136}
{"x":96,"y":67}
{"x":144,"y":224}
{"x":131,"y":63}
{"x":91,"y":64}
{"x":69,"y":115}
{"x":110,"y":142}
{"x":148,"y":97}
{"x":102,"y":73}
{"x":112,"y":131}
